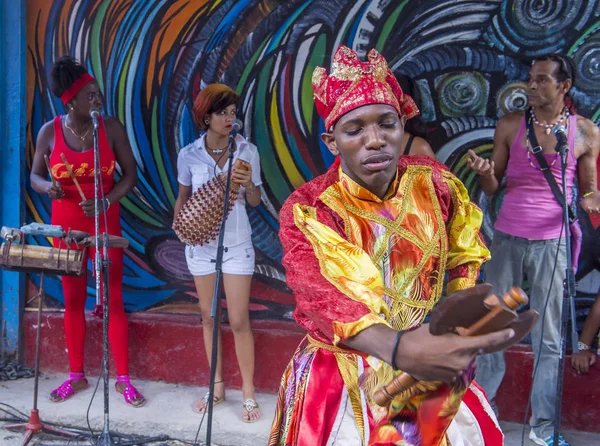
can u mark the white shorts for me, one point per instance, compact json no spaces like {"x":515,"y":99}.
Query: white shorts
{"x":237,"y":259}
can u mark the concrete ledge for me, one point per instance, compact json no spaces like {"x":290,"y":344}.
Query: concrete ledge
{"x":169,"y":348}
{"x":581,"y":394}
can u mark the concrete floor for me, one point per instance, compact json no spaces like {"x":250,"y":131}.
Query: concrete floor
{"x":168,"y":411}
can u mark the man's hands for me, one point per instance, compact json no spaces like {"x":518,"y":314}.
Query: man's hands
{"x":583,"y":360}
{"x":443,"y":358}
{"x":479,"y":165}
{"x":423,"y":355}
{"x":591,"y":204}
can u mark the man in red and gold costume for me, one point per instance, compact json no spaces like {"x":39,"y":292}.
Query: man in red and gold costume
{"x":367,"y":246}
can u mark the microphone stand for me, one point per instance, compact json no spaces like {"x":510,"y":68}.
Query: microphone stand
{"x":101,"y":267}
{"x":214,"y":311}
{"x":568,"y":302}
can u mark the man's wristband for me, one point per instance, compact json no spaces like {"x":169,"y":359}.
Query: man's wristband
{"x":250,"y":190}
{"x":395,"y":349}
{"x":106,"y":203}
{"x":587,"y":194}
{"x":582,"y":347}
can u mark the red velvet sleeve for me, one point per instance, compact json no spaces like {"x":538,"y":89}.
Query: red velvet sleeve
{"x":319,"y":304}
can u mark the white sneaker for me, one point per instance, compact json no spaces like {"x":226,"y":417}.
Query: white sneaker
{"x":548,"y":441}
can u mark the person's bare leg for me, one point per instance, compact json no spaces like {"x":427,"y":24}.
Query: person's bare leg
{"x":204,"y":288}
{"x":237,"y":292}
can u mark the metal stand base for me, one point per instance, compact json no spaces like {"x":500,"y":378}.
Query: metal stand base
{"x":34,"y":425}
{"x":105,"y":439}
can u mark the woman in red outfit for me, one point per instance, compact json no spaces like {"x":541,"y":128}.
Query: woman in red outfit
{"x":71,"y":135}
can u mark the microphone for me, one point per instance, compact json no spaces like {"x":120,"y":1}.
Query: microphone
{"x":236,"y":126}
{"x":561,"y":137}
{"x":94,"y":113}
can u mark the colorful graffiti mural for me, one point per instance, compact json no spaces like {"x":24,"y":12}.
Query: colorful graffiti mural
{"x":151,"y":57}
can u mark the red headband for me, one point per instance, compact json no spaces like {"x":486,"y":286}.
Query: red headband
{"x":76,"y":87}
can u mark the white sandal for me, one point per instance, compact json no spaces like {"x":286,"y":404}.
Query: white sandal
{"x":250,"y":405}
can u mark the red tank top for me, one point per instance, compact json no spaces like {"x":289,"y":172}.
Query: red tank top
{"x":82,"y":165}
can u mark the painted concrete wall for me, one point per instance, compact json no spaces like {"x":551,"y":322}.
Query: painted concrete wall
{"x":469,"y":59}
{"x":12,"y":161}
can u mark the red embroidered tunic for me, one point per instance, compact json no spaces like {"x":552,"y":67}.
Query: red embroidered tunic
{"x":354,"y":260}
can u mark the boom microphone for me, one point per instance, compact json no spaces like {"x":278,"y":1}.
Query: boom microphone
{"x":561,"y":137}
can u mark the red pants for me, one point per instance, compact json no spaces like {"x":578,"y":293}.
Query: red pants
{"x":75,"y":291}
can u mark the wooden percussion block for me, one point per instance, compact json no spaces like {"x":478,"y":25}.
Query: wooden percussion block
{"x":32,"y":258}
{"x":114,"y":241}
{"x":474,"y":311}
{"x":470,"y":312}
{"x":43,"y":253}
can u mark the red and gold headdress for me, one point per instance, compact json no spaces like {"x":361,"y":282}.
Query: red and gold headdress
{"x":353,"y":83}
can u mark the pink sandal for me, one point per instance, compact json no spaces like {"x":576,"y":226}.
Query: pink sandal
{"x":130,"y":393}
{"x":66,"y":390}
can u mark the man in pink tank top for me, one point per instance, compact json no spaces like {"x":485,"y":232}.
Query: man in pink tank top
{"x":528,"y":237}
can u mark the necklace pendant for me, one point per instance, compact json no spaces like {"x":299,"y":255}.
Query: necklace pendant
{"x":548,"y":130}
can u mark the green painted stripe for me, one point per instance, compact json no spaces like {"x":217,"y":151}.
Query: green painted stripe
{"x":317,"y":58}
{"x":95,"y":44}
{"x":241,"y":86}
{"x":269,"y":164}
{"x":388,"y":26}
{"x":578,"y":42}
{"x":122,"y":83}
{"x":137,"y":212}
{"x":164,"y":177}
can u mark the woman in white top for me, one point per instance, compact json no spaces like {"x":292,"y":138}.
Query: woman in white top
{"x":214,"y":111}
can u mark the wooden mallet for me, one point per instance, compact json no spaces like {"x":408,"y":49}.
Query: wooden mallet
{"x":72,"y":175}
{"x":54,"y":183}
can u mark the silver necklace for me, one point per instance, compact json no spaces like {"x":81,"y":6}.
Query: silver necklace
{"x":563,"y":114}
{"x":215,"y":151}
